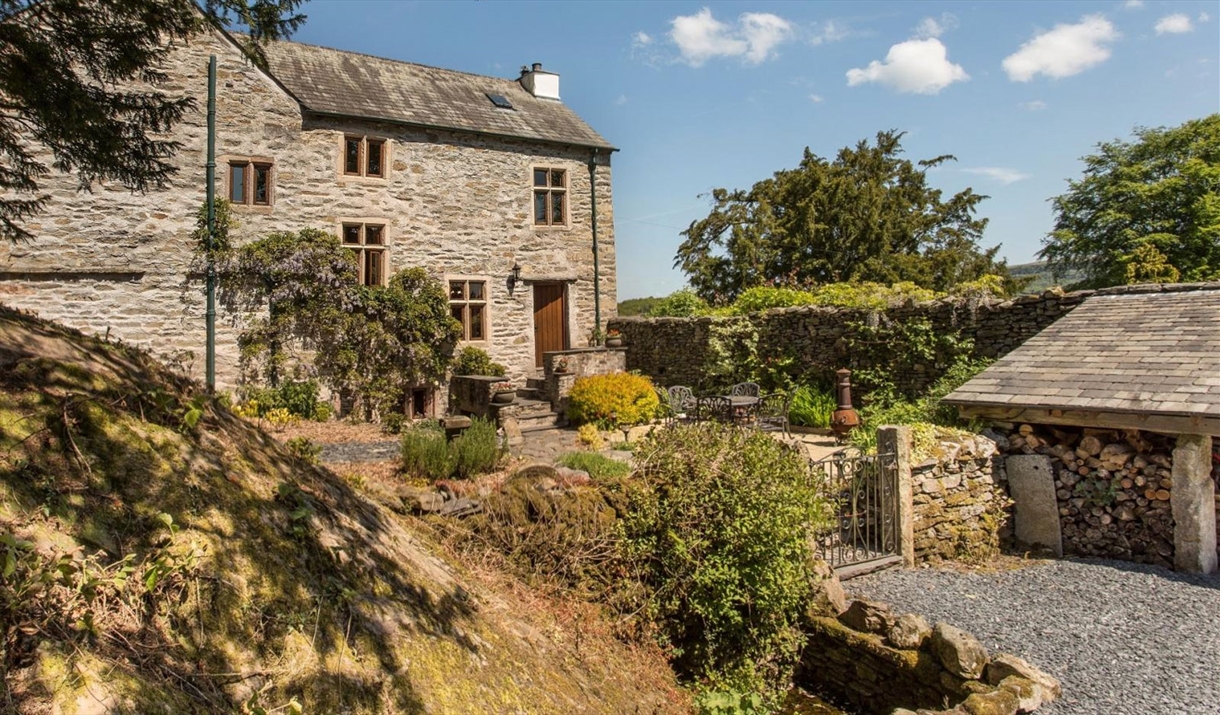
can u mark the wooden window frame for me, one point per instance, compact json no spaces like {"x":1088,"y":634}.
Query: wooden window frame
{"x":250,"y":168}
{"x":362,"y":156}
{"x":465,"y":304}
{"x":550,"y":190}
{"x":363,"y":249}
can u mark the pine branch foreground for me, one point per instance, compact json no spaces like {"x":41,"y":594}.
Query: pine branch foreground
{"x":80,"y":79}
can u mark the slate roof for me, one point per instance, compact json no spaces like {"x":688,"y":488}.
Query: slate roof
{"x":350,"y":84}
{"x":1153,"y":353}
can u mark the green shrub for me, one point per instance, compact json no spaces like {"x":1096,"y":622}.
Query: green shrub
{"x":761,"y":298}
{"x":812,"y":407}
{"x":303,"y":448}
{"x":719,"y":540}
{"x":599,"y":466}
{"x":476,"y":361}
{"x":679,"y":304}
{"x":613,"y":400}
{"x":427,"y":454}
{"x":299,"y":398}
{"x":477,"y":450}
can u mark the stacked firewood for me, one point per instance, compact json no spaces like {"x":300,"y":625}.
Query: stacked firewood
{"x":1112,"y":486}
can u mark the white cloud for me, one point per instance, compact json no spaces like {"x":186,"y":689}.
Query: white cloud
{"x":1036,"y":105}
{"x":701,"y":37}
{"x":1001,"y":174}
{"x":830,"y":31}
{"x":914,"y":66}
{"x":763,"y":32}
{"x":621,"y":100}
{"x":933,"y":27}
{"x":1204,"y":17}
{"x":816,"y":98}
{"x":1133,"y":4}
{"x":1174,"y":24}
{"x":641,"y":39}
{"x":1063,"y":51}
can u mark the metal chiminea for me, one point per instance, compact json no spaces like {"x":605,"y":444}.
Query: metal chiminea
{"x":844,"y":419}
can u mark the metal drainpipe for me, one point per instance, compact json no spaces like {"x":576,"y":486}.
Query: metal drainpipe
{"x":597,"y":279}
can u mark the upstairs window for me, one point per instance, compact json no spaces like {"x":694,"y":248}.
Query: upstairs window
{"x":249,"y":183}
{"x":468,"y":305}
{"x":550,"y":197}
{"x":367,"y":240}
{"x":364,"y":156}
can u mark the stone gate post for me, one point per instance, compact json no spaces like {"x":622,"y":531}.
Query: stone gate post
{"x":1193,"y":502}
{"x":896,"y":440}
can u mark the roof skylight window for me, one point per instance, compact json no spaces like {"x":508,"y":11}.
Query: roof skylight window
{"x":500,"y":101}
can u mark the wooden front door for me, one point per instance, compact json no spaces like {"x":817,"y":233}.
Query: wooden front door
{"x":550,"y":324}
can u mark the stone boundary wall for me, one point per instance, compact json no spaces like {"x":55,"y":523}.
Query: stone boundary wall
{"x":960,"y":504}
{"x":877,"y":661}
{"x":675,"y":351}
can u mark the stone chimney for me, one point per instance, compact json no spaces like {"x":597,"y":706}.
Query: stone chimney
{"x":539,"y":82}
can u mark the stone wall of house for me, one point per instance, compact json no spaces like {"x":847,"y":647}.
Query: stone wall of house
{"x":457,"y":204}
{"x":818,"y":340}
{"x":878,"y":661}
{"x":961,"y":508}
{"x":1112,"y":487}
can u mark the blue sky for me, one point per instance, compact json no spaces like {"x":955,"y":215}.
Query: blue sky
{"x":703,"y":95}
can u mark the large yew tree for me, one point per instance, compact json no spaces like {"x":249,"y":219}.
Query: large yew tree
{"x":81,"y":79}
{"x":866,"y":215}
{"x":1147,"y":210}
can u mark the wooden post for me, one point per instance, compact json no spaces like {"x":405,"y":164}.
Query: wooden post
{"x":896,"y":440}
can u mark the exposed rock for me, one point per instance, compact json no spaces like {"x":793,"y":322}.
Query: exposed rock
{"x":1029,"y":693}
{"x":420,"y":500}
{"x":828,"y":596}
{"x":460,"y":507}
{"x":537,"y":471}
{"x":867,"y":616}
{"x":958,"y":651}
{"x":1005,"y":665}
{"x":997,"y":702}
{"x":909,"y":631}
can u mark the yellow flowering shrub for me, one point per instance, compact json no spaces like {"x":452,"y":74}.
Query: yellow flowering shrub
{"x":613,"y":400}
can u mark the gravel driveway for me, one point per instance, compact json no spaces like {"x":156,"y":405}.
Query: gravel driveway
{"x":1123,"y":638}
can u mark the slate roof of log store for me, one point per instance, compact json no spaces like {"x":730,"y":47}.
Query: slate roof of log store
{"x":1155,"y":353}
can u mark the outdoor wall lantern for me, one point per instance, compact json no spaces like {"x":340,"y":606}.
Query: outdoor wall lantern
{"x":514,"y":278}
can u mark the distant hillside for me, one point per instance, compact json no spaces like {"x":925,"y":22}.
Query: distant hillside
{"x":1042,"y":277}
{"x":637,"y":306}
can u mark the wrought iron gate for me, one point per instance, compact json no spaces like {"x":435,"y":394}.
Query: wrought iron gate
{"x":862,"y":495}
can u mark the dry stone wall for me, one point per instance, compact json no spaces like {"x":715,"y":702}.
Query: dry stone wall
{"x":961,"y":508}
{"x":675,"y":351}
{"x":1112,"y":487}
{"x":878,"y":661}
{"x":456,"y":204}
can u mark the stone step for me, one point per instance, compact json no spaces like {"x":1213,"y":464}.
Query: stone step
{"x":539,"y":422}
{"x":530,"y":393}
{"x":520,"y":408}
{"x":535,"y":383}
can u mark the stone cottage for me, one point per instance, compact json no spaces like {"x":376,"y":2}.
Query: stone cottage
{"x":493,"y":185}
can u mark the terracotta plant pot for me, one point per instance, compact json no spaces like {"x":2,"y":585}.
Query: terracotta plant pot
{"x":614,"y":342}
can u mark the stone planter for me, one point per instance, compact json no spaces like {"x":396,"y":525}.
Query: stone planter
{"x":503,"y":398}
{"x":614,"y":342}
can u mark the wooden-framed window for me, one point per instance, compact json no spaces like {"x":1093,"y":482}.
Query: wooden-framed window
{"x":550,"y":197}
{"x":468,"y":305}
{"x":368,"y":242}
{"x":364,"y":156}
{"x":249,"y":182}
